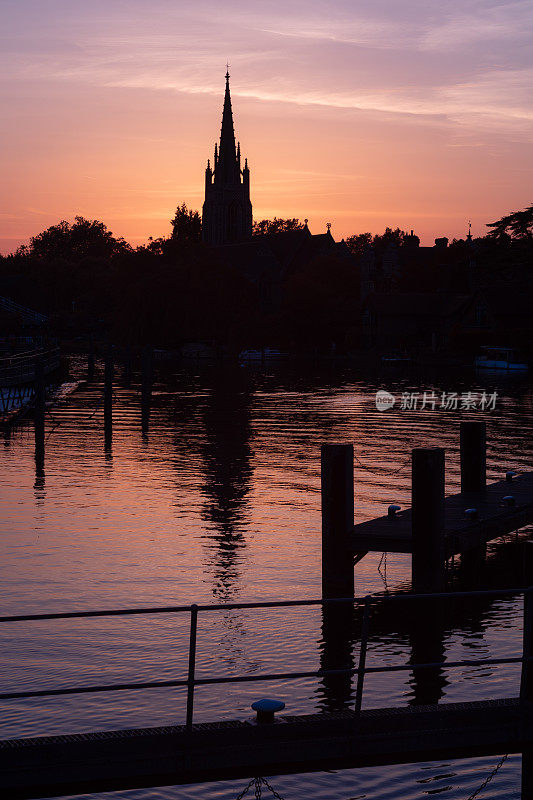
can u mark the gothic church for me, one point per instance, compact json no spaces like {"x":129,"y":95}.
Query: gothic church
{"x":227,"y":210}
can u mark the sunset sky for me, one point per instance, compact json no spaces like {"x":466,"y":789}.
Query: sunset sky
{"x":362,"y":113}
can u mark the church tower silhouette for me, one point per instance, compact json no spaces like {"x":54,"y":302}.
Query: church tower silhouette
{"x":227,"y":210}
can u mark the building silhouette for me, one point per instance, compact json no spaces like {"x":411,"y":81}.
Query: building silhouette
{"x":227,"y":210}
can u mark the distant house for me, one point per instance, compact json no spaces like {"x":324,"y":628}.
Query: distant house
{"x":422,"y":321}
{"x":511,"y":314}
{"x":267,"y":261}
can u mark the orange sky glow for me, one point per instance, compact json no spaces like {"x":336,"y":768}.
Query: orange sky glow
{"x":356,"y":112}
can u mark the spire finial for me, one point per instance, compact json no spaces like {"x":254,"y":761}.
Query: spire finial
{"x":227,"y":71}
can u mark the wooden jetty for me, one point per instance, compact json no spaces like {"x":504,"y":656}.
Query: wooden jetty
{"x":495,"y":517}
{"x":434,"y":528}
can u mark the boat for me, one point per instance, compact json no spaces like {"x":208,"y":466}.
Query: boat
{"x":267,"y":353}
{"x":500,"y":358}
{"x":396,"y":358}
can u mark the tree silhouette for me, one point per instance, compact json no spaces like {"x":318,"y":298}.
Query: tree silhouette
{"x":276,"y":225}
{"x":518,"y":225}
{"x":73,"y":242}
{"x":360,"y":241}
{"x":187,"y":224}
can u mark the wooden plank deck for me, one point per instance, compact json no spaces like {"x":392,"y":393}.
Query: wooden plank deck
{"x":131,"y":759}
{"x":495,"y":518}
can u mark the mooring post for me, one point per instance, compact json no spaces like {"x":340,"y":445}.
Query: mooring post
{"x":526,"y":693}
{"x":337,"y":520}
{"x":108,"y":396}
{"x":90,"y":359}
{"x":527,"y":562}
{"x":473,"y":456}
{"x":526,"y":681}
{"x":473,"y":479}
{"x":146,"y":386}
{"x":126,"y":374}
{"x":39,"y":411}
{"x":428,"y":572}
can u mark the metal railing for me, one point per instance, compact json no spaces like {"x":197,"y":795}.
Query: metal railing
{"x":21,"y":367}
{"x":28,"y":314}
{"x":367,"y":603}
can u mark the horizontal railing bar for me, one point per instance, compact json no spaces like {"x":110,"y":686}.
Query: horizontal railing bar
{"x":115,"y":612}
{"x":446,"y":664}
{"x":115,"y":687}
{"x":263,"y":604}
{"x":107,"y":687}
{"x":453,"y":595}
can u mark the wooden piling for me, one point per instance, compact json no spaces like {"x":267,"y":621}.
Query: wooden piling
{"x":473,"y":448}
{"x":108,"y":396}
{"x":428,"y":573}
{"x":526,"y":681}
{"x":146,"y":386}
{"x":127,"y":370}
{"x":527,"y":562}
{"x":39,"y":409}
{"x":90,"y":359}
{"x":337,"y":520}
{"x":473,"y":457}
{"x":526,"y":692}
{"x":527,"y":774}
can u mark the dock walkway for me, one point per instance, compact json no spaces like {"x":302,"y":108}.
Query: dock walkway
{"x":495,"y":517}
{"x":133,"y":759}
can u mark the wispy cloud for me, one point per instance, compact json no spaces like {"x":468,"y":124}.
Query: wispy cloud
{"x":492,"y":23}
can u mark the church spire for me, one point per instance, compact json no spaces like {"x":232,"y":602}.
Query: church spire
{"x":227,"y":210}
{"x":228,"y":171}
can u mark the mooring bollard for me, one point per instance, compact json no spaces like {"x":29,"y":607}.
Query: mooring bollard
{"x":473,"y":457}
{"x":337,"y":520}
{"x":265,"y":710}
{"x":428,"y":572}
{"x":108,"y":396}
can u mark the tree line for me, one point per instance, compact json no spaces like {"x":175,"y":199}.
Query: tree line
{"x":175,"y":289}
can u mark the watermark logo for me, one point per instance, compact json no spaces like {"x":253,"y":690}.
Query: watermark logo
{"x":384,"y":400}
{"x":431,"y":401}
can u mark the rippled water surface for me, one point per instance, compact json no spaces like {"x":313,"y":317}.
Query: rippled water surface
{"x":219,"y":501}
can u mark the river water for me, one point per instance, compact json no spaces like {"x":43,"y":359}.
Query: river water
{"x":219,"y":501}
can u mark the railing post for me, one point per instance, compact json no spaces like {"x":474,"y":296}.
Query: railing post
{"x":337,"y":520}
{"x":192,"y":665}
{"x":526,"y":682}
{"x":428,"y":573}
{"x":361,"y":666}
